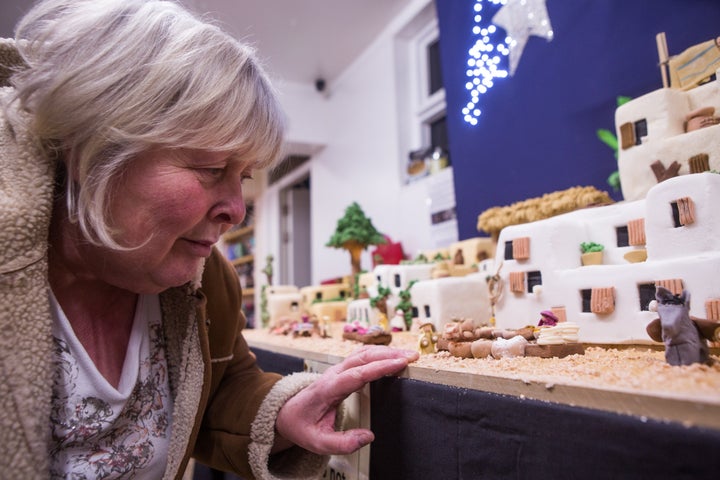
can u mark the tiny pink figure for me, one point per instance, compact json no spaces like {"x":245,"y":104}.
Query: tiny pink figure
{"x":547,"y":319}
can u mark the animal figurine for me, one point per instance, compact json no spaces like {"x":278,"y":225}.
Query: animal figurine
{"x":684,"y":336}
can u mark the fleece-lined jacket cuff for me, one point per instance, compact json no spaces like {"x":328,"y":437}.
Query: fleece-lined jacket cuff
{"x":294,"y":463}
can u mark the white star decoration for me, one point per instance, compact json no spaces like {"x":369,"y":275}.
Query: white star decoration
{"x":520,"y":19}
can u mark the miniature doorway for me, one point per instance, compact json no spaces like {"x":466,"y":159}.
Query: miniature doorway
{"x":295,"y":255}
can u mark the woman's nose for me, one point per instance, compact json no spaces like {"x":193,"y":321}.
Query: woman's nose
{"x":230,"y":207}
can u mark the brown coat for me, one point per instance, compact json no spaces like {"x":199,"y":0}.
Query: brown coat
{"x":224,"y":405}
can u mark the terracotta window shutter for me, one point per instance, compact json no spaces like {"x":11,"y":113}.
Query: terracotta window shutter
{"x":627,"y":135}
{"x":686,"y":210}
{"x":560,"y":313}
{"x":602,"y":300}
{"x":636,"y":232}
{"x":712,"y":309}
{"x":699,"y":163}
{"x":517,"y":282}
{"x":675,"y":285}
{"x":521,"y":248}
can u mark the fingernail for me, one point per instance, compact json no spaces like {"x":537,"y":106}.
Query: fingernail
{"x":365,"y":437}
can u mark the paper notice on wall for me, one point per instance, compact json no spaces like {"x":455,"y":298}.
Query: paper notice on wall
{"x":355,"y":466}
{"x":443,"y":214}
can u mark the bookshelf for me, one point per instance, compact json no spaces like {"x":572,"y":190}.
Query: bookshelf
{"x":239,"y":248}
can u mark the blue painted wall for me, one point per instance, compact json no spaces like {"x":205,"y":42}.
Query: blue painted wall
{"x":537,"y":132}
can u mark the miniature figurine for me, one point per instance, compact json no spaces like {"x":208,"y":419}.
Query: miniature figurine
{"x":495,"y":288}
{"x":684,"y":337}
{"x":548,"y":319}
{"x":306,"y":327}
{"x":383,"y":321}
{"x":459,"y":259}
{"x":397,"y":324}
{"x":324,"y":326}
{"x":509,"y":348}
{"x":428,"y":338}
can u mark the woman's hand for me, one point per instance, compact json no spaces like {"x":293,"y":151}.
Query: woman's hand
{"x":308,"y":418}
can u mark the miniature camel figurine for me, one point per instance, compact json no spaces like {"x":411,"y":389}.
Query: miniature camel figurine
{"x":684,"y":336}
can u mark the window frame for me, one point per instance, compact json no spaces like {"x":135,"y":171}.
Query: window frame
{"x":417,"y":109}
{"x":646,"y":294}
{"x":622,"y":236}
{"x":429,"y":107}
{"x":533,"y":278}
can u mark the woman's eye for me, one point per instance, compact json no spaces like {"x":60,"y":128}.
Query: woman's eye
{"x":212,"y":172}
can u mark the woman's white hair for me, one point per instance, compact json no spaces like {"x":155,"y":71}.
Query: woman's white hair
{"x":108,"y":79}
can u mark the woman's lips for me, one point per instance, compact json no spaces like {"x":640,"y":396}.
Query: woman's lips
{"x":201,"y":248}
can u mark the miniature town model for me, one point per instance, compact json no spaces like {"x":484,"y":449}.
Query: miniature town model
{"x":572,"y":298}
{"x":662,"y":235}
{"x":672,"y":230}
{"x":592,"y":265}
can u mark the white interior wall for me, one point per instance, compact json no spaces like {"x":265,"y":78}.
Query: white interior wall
{"x":352,"y":132}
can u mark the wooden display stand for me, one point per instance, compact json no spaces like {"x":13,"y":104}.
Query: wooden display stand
{"x":432,"y":423}
{"x":687,"y":410}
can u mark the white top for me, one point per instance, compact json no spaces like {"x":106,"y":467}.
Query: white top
{"x":99,"y":431}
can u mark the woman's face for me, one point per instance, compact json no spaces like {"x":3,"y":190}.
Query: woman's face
{"x":175,"y":204}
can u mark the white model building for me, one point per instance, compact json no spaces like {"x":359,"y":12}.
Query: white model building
{"x":676,"y":225}
{"x":398,"y":277}
{"x":442,"y":300}
{"x":652,"y":128}
{"x":284,"y":303}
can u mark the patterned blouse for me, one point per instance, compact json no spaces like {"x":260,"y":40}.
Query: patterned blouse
{"x":103,"y":432}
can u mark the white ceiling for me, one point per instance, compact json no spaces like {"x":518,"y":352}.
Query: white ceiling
{"x":298,"y":40}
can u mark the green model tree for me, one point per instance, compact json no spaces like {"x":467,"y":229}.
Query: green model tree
{"x":354,"y":233}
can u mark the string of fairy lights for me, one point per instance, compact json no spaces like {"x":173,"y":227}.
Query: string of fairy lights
{"x":486,"y":58}
{"x":483,"y":63}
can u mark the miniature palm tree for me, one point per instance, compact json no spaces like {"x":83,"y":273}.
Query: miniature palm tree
{"x":354,"y":233}
{"x":406,"y":305}
{"x":380,"y":301}
{"x":609,"y":139}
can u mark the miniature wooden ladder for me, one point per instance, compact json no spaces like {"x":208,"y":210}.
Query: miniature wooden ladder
{"x":663,"y":57}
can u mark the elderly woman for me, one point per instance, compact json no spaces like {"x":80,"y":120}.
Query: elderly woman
{"x":126,"y":130}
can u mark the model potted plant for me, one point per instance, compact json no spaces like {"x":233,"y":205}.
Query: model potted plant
{"x":592,"y":253}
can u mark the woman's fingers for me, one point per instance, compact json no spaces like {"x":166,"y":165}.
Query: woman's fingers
{"x":308,"y":419}
{"x":342,"y":443}
{"x":372,"y":353}
{"x":362,"y":367}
